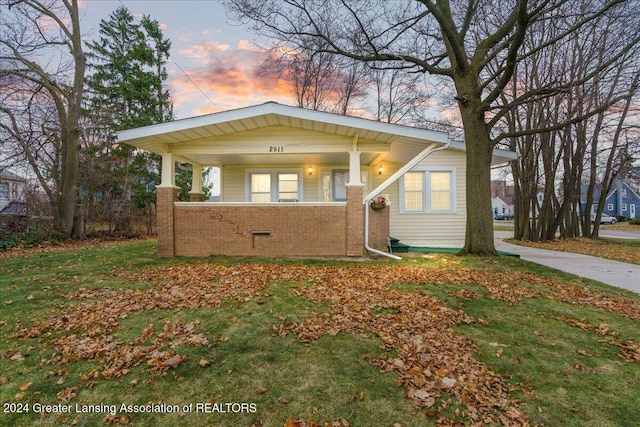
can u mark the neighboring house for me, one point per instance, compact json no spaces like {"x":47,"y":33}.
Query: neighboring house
{"x":11,"y":189}
{"x":297,"y":182}
{"x":502,"y":196}
{"x":621,"y":201}
{"x":500,"y":207}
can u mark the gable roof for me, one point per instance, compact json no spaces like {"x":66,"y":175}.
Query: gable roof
{"x":166,"y":137}
{"x":10,"y":176}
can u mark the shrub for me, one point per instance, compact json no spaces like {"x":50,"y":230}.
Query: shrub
{"x":635,"y":221}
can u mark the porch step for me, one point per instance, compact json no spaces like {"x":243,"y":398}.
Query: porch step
{"x":395,"y":246}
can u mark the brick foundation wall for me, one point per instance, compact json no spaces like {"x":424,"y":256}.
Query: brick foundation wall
{"x":165,"y":214}
{"x":379,"y":228}
{"x":227,"y":230}
{"x":355,"y":220}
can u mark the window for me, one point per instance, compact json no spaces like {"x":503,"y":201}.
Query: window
{"x":610,"y":206}
{"x":334,"y":184}
{"x":287,"y":187}
{"x":624,"y":192}
{"x":428,"y":190}
{"x":624,"y":207}
{"x":260,"y":187}
{"x":273,"y":186}
{"x":4,"y":191}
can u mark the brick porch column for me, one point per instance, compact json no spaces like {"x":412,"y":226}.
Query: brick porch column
{"x":355,"y":220}
{"x":166,"y":197}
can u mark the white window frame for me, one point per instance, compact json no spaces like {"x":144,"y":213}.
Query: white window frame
{"x":610,"y":206}
{"x":624,"y":207}
{"x":274,"y":181}
{"x":426,"y":190}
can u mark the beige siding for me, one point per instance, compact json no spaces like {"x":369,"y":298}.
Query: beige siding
{"x":429,"y":229}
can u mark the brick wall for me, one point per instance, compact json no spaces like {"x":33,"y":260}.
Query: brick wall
{"x":165,"y":212}
{"x":379,"y":228}
{"x":355,"y":220}
{"x":227,"y":230}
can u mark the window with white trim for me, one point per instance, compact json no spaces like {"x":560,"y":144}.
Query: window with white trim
{"x":429,"y":190}
{"x":273,"y":186}
{"x":610,"y":206}
{"x":624,"y":207}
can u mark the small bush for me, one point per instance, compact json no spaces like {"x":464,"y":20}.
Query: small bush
{"x":635,"y":221}
{"x":38,"y":232}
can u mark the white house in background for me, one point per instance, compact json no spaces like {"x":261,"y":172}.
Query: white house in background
{"x":12,"y":188}
{"x":500,"y":207}
{"x":296,"y":182}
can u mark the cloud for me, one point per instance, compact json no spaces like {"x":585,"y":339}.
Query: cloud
{"x":228,"y":77}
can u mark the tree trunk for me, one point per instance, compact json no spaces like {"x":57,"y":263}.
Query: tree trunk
{"x":479,"y":235}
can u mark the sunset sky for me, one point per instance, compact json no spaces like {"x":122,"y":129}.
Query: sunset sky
{"x":217,"y":56}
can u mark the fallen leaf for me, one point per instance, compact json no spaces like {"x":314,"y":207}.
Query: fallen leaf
{"x":25,"y":386}
{"x":3,"y":380}
{"x":204,"y":363}
{"x":584,"y":353}
{"x":17,"y":357}
{"x":261,"y":390}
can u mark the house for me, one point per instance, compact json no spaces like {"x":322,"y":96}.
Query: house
{"x":297,"y":182}
{"x":501,"y":209}
{"x":12,"y":189}
{"x":622,"y":200}
{"x":502,"y":196}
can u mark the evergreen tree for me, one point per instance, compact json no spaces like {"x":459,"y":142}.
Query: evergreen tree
{"x":125,"y":89}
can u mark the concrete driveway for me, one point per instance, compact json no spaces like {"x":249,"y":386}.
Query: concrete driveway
{"x":614,"y":273}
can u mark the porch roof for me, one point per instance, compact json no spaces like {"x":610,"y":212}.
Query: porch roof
{"x":215,"y":139}
{"x":206,"y":139}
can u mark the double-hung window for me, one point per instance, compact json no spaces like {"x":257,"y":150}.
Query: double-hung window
{"x":429,"y":190}
{"x":273,"y":186}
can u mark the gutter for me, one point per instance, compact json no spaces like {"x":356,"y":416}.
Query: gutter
{"x":420,"y":157}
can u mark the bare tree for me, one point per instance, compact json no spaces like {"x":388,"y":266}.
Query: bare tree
{"x":399,"y":96}
{"x":42,"y":52}
{"x":476,"y":44}
{"x":564,"y":137}
{"x":319,"y":81}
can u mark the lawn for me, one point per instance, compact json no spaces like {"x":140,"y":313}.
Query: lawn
{"x":110,"y":334}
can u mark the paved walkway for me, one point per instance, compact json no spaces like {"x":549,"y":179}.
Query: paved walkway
{"x":614,"y":273}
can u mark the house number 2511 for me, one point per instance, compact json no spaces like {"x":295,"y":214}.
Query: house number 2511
{"x":276,"y":149}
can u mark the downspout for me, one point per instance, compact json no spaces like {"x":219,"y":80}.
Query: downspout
{"x":420,"y":157}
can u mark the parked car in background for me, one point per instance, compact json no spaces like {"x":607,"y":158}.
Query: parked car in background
{"x":503,"y":217}
{"x":605,"y":219}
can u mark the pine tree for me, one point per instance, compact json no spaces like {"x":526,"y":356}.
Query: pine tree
{"x":126,"y":89}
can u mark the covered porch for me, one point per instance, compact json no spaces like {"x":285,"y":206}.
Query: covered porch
{"x":294,"y":182}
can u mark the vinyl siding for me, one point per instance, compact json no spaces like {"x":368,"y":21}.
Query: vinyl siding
{"x":430,"y":229}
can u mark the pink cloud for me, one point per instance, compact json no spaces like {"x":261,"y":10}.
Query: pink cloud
{"x":227,"y":75}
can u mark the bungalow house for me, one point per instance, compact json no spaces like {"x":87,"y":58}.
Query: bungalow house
{"x":621,"y":201}
{"x":297,"y":182}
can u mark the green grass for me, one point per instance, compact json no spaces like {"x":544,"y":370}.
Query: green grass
{"x":248,"y":361}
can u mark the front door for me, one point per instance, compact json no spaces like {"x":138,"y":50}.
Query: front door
{"x":632,"y":210}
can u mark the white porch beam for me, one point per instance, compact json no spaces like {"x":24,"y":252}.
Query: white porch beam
{"x":354,"y":162}
{"x":168,"y":177}
{"x":196,"y":180}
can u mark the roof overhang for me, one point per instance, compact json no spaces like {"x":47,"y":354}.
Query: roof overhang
{"x":213,"y":139}
{"x":218,"y":138}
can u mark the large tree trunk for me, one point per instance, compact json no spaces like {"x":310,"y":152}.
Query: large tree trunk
{"x":479,"y":236}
